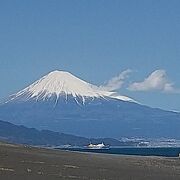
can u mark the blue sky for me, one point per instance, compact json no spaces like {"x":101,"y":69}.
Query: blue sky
{"x":95,"y":40}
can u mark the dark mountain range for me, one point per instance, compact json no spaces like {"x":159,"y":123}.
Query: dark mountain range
{"x":30,"y":136}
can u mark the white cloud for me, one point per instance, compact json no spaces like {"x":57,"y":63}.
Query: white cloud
{"x":116,"y":82}
{"x":157,"y":81}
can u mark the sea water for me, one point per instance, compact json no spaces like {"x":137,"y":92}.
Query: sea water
{"x":141,"y":151}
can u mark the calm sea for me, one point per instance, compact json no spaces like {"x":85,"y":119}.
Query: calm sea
{"x":158,"y":151}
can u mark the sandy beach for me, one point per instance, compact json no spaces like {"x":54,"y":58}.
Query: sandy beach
{"x":18,"y":162}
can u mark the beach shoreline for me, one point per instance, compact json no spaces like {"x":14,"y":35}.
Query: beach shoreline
{"x":19,"y":162}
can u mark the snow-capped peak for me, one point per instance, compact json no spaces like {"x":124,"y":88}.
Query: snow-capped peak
{"x":64,"y":83}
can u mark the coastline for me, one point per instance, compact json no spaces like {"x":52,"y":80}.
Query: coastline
{"x":18,"y":162}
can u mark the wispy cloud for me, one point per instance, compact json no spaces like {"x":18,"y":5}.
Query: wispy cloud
{"x":156,"y":81}
{"x":116,"y":82}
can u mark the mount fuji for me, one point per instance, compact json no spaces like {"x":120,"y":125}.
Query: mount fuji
{"x":61,"y":102}
{"x":58,"y":84}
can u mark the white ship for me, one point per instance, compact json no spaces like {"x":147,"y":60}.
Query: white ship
{"x":97,"y":146}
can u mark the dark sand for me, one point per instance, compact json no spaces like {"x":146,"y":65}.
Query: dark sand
{"x":26,"y":163}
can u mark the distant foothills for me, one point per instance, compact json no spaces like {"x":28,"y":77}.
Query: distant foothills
{"x":30,"y":136}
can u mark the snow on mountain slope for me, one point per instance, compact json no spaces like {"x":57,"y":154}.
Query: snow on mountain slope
{"x":60,"y":83}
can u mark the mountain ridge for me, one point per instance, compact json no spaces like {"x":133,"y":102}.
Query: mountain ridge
{"x":31,"y":136}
